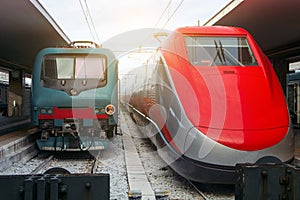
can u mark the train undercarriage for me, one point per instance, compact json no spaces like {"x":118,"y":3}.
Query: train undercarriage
{"x":75,"y":135}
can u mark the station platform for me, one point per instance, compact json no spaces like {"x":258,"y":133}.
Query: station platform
{"x":137,"y":177}
{"x":8,"y":124}
{"x":19,"y":144}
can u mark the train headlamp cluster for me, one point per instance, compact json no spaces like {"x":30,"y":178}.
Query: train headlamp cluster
{"x":48,"y":111}
{"x":99,"y":110}
{"x":110,"y":109}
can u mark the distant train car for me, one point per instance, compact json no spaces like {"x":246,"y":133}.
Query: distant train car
{"x":75,"y":98}
{"x":210,"y":99}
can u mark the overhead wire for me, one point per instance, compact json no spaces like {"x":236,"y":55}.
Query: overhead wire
{"x":95,"y":31}
{"x":89,"y":21}
{"x":168,"y":5}
{"x":169,"y":17}
{"x":172,"y":14}
{"x":159,"y":19}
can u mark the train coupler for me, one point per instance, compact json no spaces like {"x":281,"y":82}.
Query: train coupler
{"x":44,"y":135}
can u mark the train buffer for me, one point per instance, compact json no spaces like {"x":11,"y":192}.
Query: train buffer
{"x":54,"y":187}
{"x":267,"y":181}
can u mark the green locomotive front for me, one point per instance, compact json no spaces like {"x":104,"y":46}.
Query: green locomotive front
{"x":75,"y":98}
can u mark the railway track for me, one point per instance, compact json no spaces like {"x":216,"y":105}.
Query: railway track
{"x":214,"y":191}
{"x":42,"y":165}
{"x":67,"y":165}
{"x":204,"y":196}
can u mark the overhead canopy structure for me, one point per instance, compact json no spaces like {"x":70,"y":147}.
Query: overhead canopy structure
{"x":26,"y":28}
{"x":273,"y":23}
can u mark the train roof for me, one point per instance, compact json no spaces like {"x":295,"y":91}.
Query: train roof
{"x":62,"y":50}
{"x":211,"y":30}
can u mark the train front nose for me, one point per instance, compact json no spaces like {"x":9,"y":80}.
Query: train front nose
{"x":241,"y":110}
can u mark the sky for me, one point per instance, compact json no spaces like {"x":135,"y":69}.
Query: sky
{"x":113,"y":17}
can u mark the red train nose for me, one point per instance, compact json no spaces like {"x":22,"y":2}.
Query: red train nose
{"x":240,"y":109}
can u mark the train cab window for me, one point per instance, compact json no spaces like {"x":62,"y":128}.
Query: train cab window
{"x":57,"y":68}
{"x":49,"y":69}
{"x":74,"y":67}
{"x":85,"y":70}
{"x":219,"y":51}
{"x":60,"y":71}
{"x":65,"y":68}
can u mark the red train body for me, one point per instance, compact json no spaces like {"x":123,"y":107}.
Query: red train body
{"x":215,"y":101}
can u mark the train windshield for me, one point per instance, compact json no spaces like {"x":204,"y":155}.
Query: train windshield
{"x":74,"y":67}
{"x":219,"y":51}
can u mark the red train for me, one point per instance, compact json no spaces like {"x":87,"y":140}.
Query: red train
{"x":210,"y":99}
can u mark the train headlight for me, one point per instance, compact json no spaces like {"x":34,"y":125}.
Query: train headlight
{"x":43,"y":111}
{"x":73,"y":92}
{"x":110,"y":109}
{"x":50,"y":111}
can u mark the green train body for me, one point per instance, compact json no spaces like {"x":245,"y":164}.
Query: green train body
{"x":75,"y":98}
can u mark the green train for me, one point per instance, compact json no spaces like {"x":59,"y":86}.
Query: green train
{"x":75,"y":98}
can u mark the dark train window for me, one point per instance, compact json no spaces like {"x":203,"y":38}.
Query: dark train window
{"x":219,"y":51}
{"x":49,"y":68}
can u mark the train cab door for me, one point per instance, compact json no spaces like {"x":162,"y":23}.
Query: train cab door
{"x":293,"y":100}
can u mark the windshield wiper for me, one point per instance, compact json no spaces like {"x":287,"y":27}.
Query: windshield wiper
{"x":222,"y":52}
{"x":219,"y":54}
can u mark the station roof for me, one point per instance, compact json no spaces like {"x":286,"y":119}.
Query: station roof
{"x":274,"y":24}
{"x":26,"y":28}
